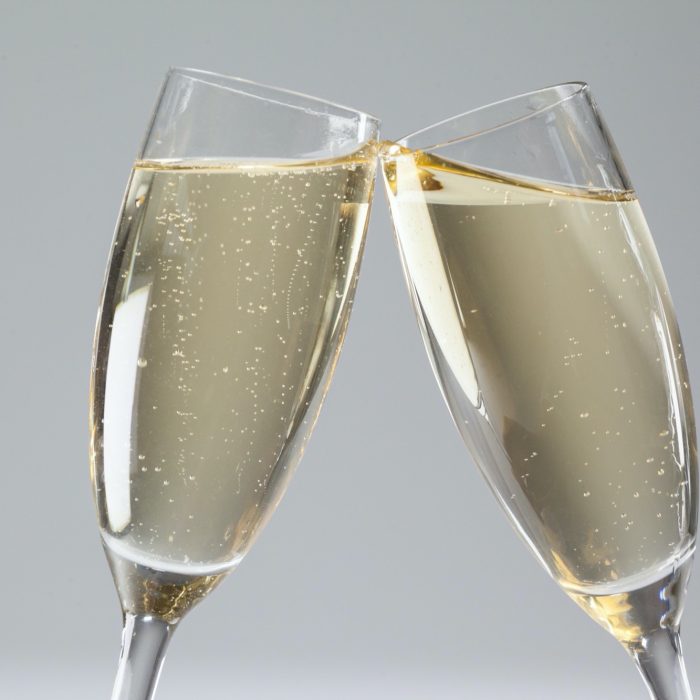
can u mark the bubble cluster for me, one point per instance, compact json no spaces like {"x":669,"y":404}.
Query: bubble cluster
{"x":554,"y":305}
{"x":248,"y":271}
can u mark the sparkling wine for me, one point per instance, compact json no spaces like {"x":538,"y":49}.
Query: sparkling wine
{"x":550,"y":327}
{"x":226,"y":301}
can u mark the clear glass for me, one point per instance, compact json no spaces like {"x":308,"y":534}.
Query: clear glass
{"x":226,"y":301}
{"x":550,"y":328}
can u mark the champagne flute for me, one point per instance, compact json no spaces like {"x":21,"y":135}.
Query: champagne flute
{"x":549,"y":326}
{"x":225,"y":305}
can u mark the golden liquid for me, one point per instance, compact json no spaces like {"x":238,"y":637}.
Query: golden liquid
{"x":633,"y":615}
{"x":225,"y":306}
{"x":551,"y":329}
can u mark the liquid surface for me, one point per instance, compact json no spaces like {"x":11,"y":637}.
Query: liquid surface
{"x":225,"y":306}
{"x":550,"y":327}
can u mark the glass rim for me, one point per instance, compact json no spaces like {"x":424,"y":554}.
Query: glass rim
{"x":220,"y":80}
{"x":576,"y":87}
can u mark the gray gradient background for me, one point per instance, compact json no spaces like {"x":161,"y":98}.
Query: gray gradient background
{"x":388,"y":571}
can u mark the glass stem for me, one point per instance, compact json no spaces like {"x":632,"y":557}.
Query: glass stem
{"x":144,"y":642}
{"x":660,"y":661}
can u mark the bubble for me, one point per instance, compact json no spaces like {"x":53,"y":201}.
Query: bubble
{"x":142,"y":362}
